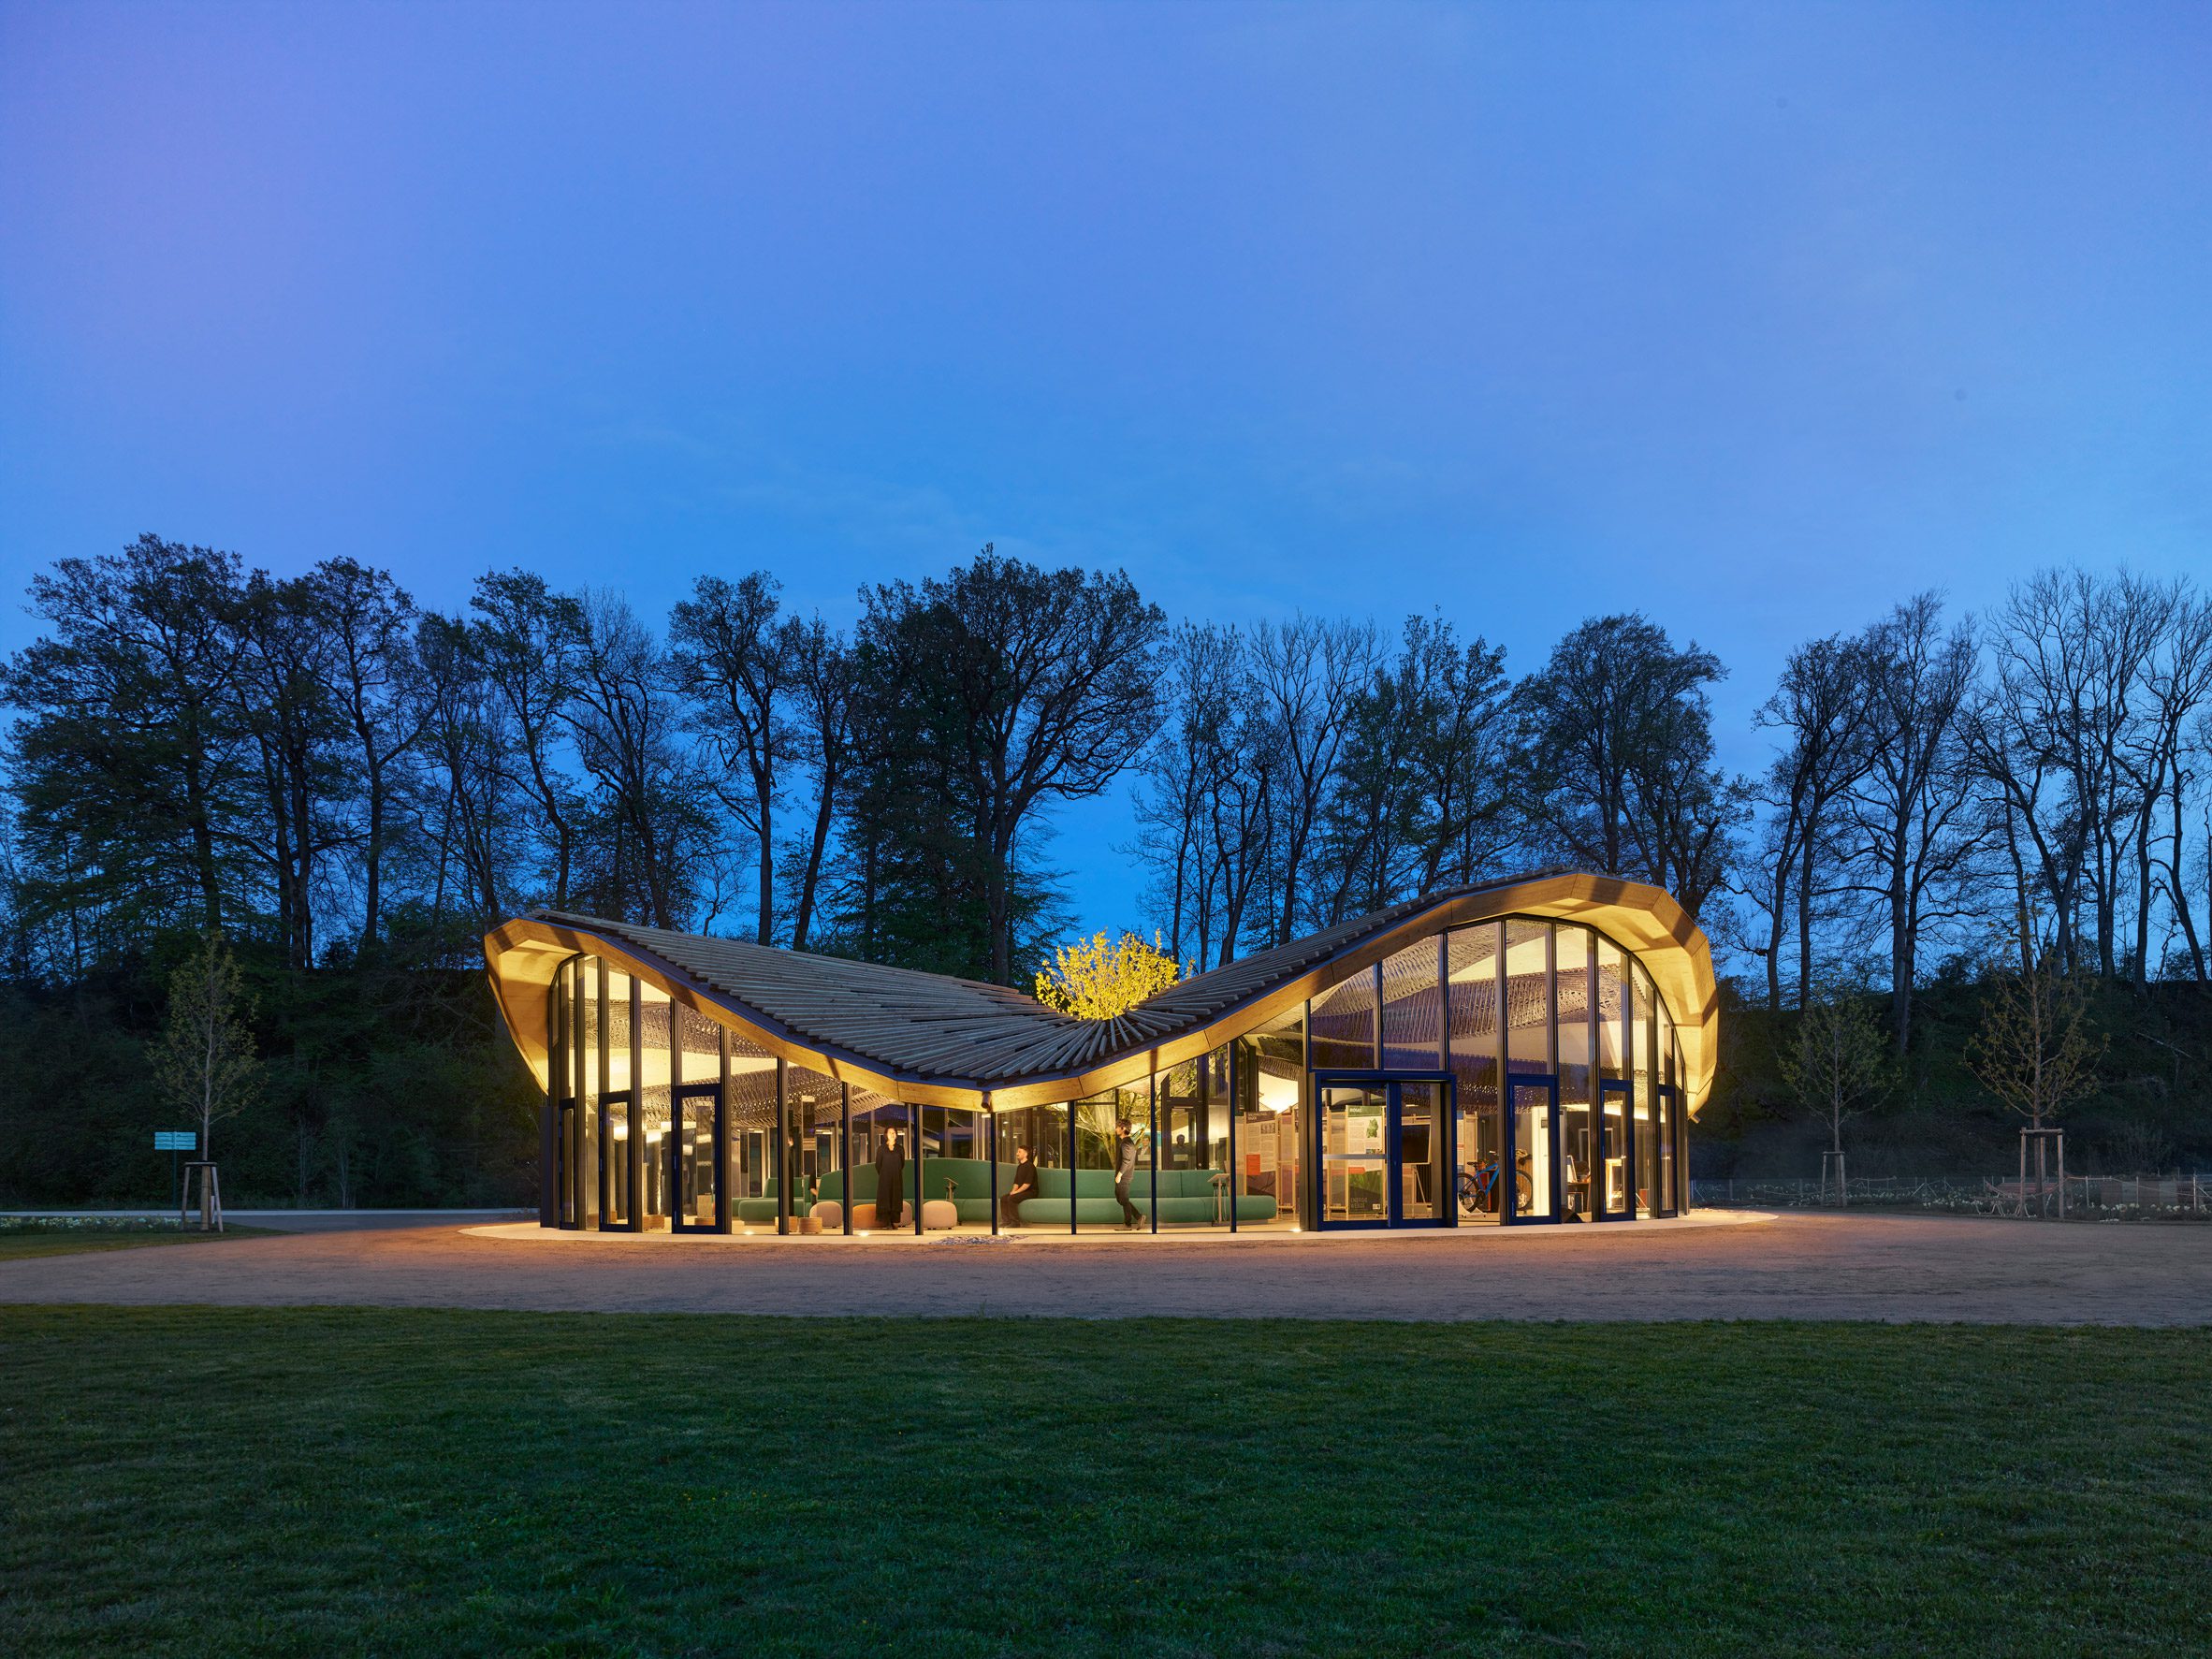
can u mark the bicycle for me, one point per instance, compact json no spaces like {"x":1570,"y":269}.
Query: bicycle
{"x":1479,"y":1188}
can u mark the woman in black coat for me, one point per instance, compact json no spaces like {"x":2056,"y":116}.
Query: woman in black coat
{"x":890,"y":1178}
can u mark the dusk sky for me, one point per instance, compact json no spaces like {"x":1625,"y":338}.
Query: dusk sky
{"x":1757,"y":319}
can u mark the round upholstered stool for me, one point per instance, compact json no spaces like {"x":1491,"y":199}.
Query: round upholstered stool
{"x":940,"y":1216}
{"x":830,"y":1214}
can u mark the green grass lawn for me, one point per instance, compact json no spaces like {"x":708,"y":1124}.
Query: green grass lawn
{"x":17,"y":1241}
{"x":194,"y":1481}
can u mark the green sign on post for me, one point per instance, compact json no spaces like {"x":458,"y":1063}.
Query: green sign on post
{"x":173,"y":1142}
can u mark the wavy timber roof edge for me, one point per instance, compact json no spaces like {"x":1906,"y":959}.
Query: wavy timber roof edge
{"x":935,"y":1040}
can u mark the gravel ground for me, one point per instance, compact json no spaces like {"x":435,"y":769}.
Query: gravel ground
{"x":1789,"y":1267}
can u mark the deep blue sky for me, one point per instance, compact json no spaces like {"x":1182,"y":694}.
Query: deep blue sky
{"x":1755,"y":318}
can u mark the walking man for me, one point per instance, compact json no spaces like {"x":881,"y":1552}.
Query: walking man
{"x":1125,"y":1166}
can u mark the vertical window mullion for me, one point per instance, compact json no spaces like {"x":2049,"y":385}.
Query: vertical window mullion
{"x":1555,"y":1131}
{"x":634,"y":1165}
{"x":606,"y":1162}
{"x":1447,"y":1103}
{"x":1236,"y":1101}
{"x":779,"y":1164}
{"x":1508,"y":1141}
{"x":1598,"y":1210}
{"x":1152,"y":1141}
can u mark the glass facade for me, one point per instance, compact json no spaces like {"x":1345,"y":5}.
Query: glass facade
{"x":1520,"y":1069}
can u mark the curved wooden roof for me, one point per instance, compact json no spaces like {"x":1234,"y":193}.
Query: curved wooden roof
{"x":940,"y":1041}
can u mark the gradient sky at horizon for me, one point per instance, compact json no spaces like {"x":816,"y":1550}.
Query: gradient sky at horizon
{"x":1757,"y":319}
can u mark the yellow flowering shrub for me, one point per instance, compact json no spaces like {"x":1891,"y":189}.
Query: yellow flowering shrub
{"x":1098,"y":979}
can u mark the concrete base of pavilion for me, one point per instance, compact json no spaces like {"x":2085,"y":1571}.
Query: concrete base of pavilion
{"x":530,"y":1233}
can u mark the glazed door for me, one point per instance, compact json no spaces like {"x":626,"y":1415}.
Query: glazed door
{"x":1532,"y":1187}
{"x":1384,"y":1149}
{"x":1417,"y":1155}
{"x":695,"y":1159}
{"x":1355,"y":1162}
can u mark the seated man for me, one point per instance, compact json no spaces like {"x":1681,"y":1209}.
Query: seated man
{"x":1025,"y":1187}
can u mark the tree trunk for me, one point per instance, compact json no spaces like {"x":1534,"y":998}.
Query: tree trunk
{"x":817,"y":844}
{"x":373,"y":858}
{"x":764,"y":797}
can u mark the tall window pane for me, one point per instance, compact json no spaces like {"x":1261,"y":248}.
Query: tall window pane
{"x":753,"y":1134}
{"x":653,"y":1116}
{"x":567,"y":1136}
{"x":1578,"y":1136}
{"x":1193,"y":1116}
{"x":1269,"y":1134}
{"x":590,"y":1033}
{"x":1413,"y":1009}
{"x":815,"y":1108}
{"x":1641,"y":1052}
{"x":1344,"y":1025}
{"x":1609,"y":1013}
{"x":1529,"y":1052}
{"x":1471,"y":965}
{"x":1093,"y":1187}
{"x":1034,"y":1138}
{"x":1181,"y":1120}
{"x":1102,"y":1156}
{"x":956,"y":1169}
{"x":1670,"y":1103}
{"x":695,"y":1060}
{"x":614,"y":1113}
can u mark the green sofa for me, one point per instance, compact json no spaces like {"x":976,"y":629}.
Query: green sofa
{"x":1185,"y":1196}
{"x":971,"y":1197}
{"x":761,"y":1212}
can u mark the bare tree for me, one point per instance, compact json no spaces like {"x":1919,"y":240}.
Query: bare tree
{"x":1466,"y":826}
{"x":727,"y":656}
{"x":1912,"y":832}
{"x":1305,"y":671}
{"x":371,"y":623}
{"x":468,"y":733}
{"x":2178,"y":685}
{"x":1821,"y":707}
{"x":2035,"y":1049}
{"x":530,"y":639}
{"x":625,"y":721}
{"x":1241,"y":788}
{"x":1183,"y":771}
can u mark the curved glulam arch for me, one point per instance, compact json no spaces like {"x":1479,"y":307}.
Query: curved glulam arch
{"x":523,"y":955}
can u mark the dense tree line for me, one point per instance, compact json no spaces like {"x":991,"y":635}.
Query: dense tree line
{"x":350,"y":784}
{"x":319,"y":764}
{"x":2036,"y":777}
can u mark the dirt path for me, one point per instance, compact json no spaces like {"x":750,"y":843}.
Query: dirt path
{"x":1800,"y":1267}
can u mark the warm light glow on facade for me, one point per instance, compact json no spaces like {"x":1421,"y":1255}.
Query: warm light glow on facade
{"x":1530,"y":1052}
